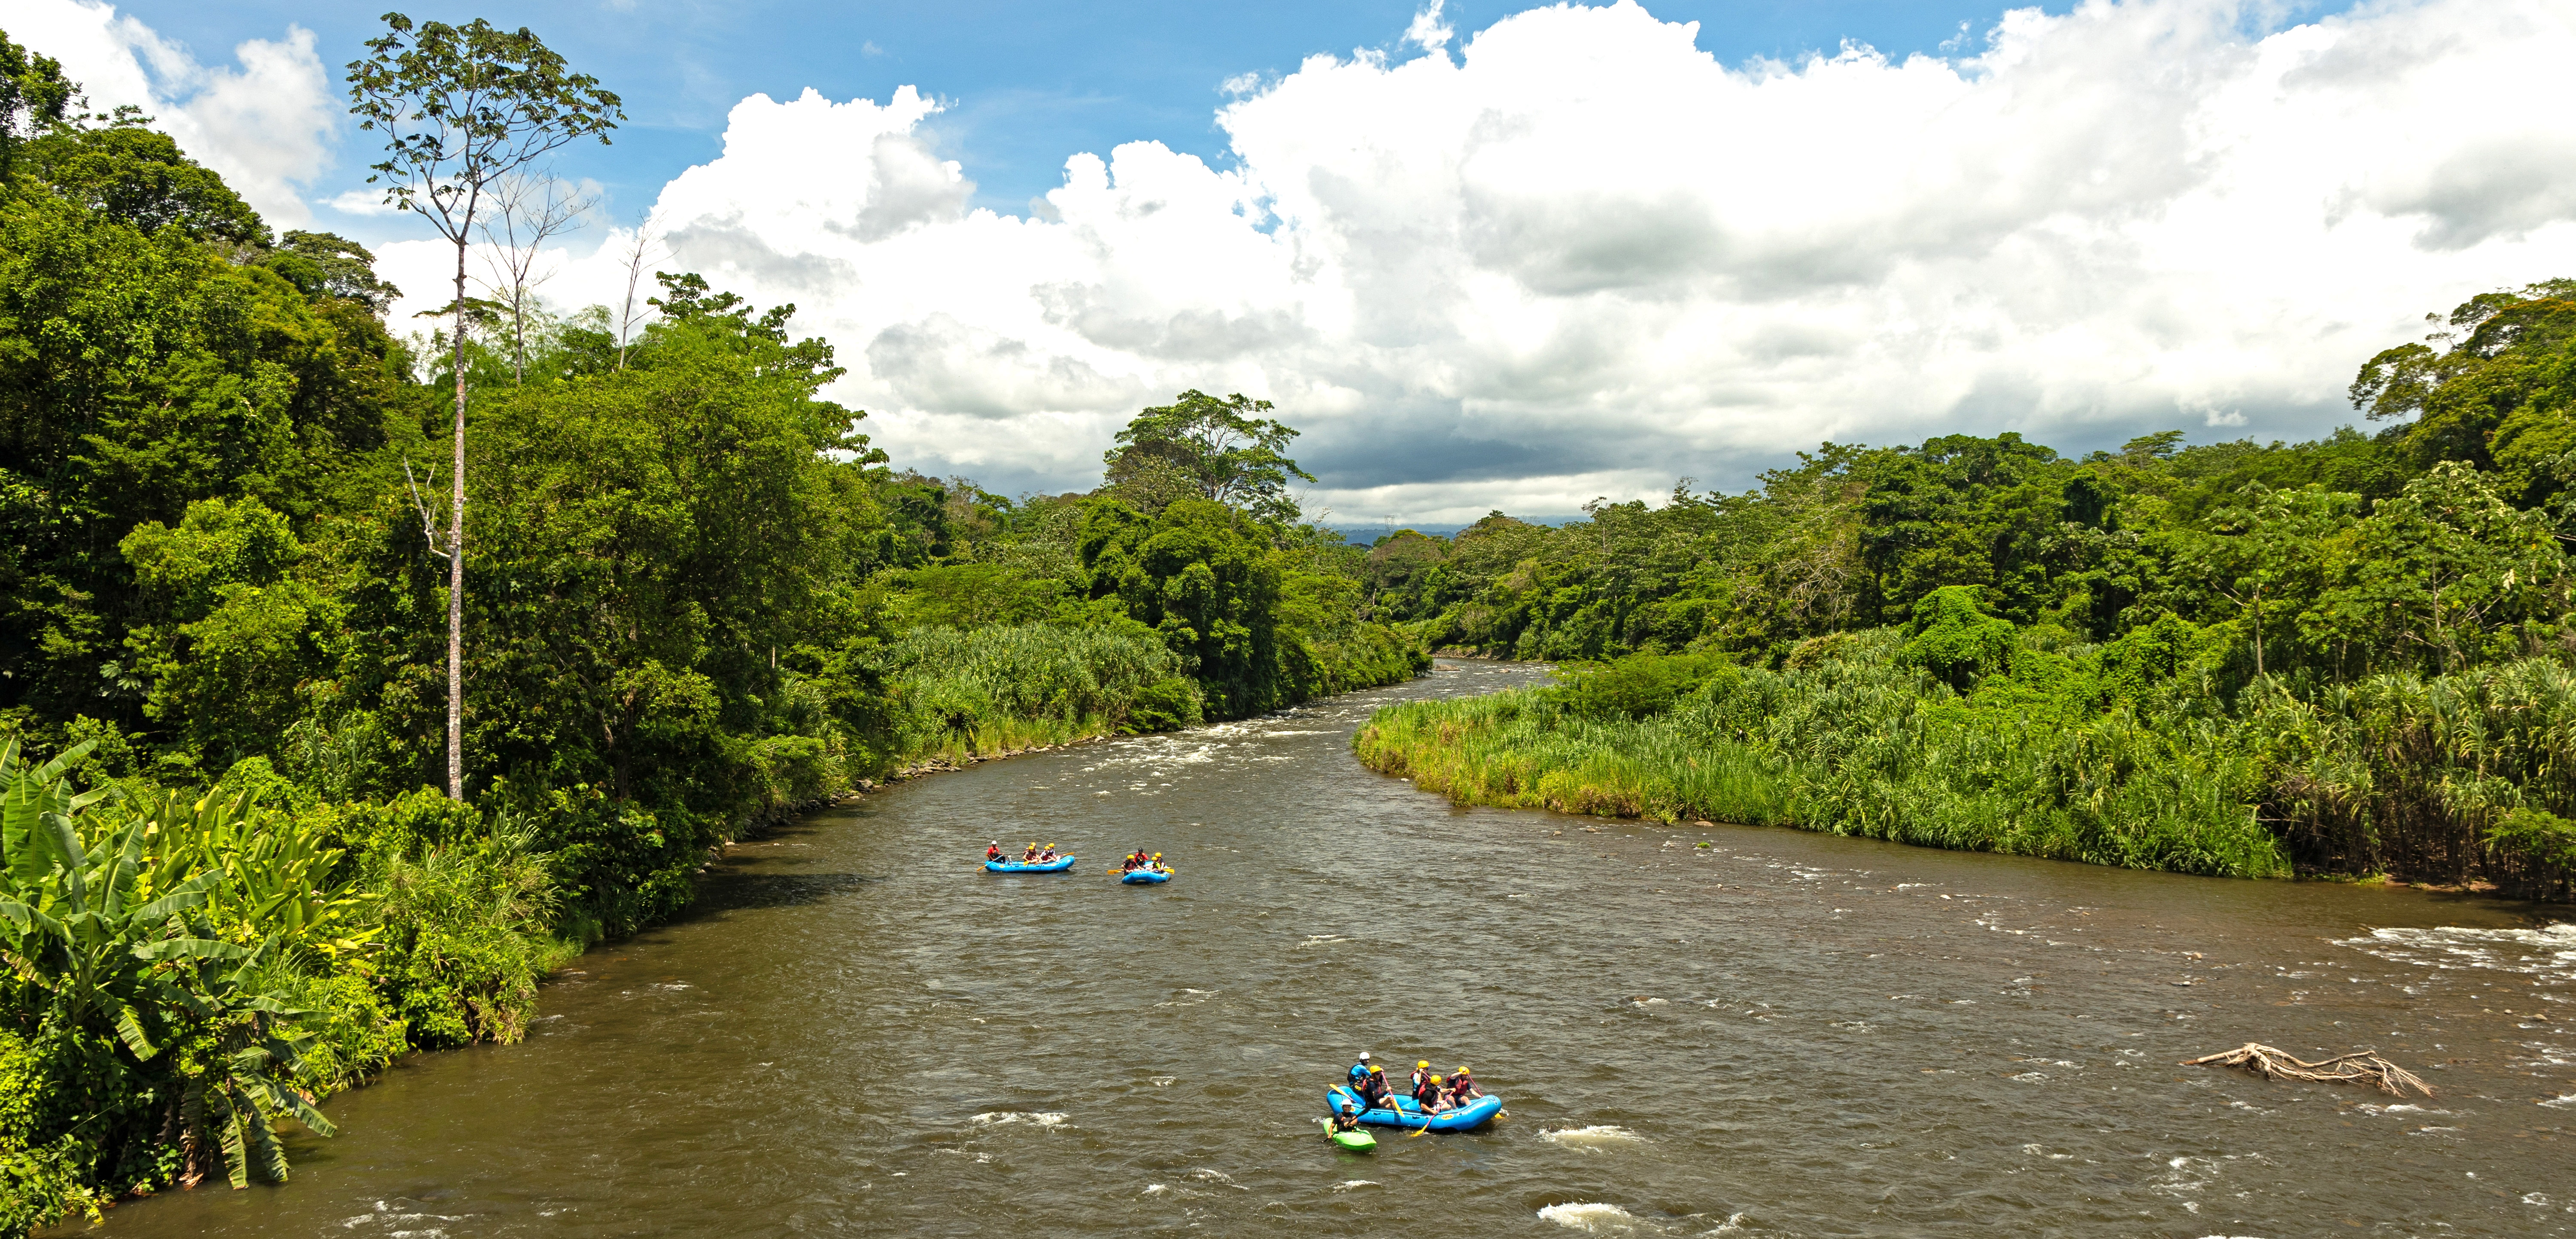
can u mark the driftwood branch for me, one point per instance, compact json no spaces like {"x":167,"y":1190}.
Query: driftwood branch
{"x":2356,"y":1068}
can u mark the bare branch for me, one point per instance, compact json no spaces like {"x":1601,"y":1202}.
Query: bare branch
{"x":643,"y":250}
{"x":528,"y":209}
{"x":428,"y":523}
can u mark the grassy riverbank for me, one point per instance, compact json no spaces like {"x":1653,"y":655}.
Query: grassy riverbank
{"x":2064,"y":750}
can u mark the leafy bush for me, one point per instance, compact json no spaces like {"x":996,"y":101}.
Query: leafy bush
{"x":1953,"y":638}
{"x":465,"y":944}
{"x":963,"y":692}
{"x":1637,"y":686}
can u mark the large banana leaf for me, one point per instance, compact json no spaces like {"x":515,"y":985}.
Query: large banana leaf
{"x":129,"y":928}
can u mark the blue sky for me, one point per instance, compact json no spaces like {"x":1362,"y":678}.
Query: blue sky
{"x":1026,"y":84}
{"x":1515,"y":257}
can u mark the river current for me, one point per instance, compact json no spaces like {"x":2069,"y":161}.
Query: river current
{"x":1778,"y":1033}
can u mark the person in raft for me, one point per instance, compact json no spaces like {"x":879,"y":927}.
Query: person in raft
{"x":1374,"y":1091}
{"x":1047,"y":857}
{"x":1136,"y":860}
{"x":1421,"y":1072}
{"x":1431,"y":1095}
{"x":1464,"y":1088}
{"x":1157,"y":862}
{"x":993,"y":851}
{"x":1359,"y":1070}
{"x":1029,"y":854}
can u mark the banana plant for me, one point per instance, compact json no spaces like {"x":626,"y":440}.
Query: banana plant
{"x":277,"y":873}
{"x":111,"y":953}
{"x":27,"y":797}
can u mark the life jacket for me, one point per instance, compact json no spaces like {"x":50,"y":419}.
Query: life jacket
{"x":1426,"y":1093}
{"x":1359,"y":1073}
{"x":1373,"y":1089}
{"x":993,"y":853}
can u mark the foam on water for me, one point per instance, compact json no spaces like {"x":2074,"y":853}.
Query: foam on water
{"x":1594,"y":1139}
{"x":1004,"y":1118}
{"x":1597,"y":1218}
{"x":2549,"y":951}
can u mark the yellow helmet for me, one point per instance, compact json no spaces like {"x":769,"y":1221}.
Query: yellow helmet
{"x":1158,"y":856}
{"x":1376,"y":1070}
{"x":1424,"y":1065}
{"x":1462,"y":1071}
{"x":1436,"y":1080}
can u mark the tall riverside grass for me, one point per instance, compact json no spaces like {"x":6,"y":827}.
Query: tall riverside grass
{"x":2466,"y":778}
{"x":1519,"y":750}
{"x":963,"y":693}
{"x":1857,"y":746}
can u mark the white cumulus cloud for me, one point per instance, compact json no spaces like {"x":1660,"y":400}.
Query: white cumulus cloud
{"x":264,"y":123}
{"x":1579,"y":256}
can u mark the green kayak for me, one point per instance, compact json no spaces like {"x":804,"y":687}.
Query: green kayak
{"x":1355,"y":1140}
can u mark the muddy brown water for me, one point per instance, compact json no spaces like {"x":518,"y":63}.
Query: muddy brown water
{"x":1778,"y":1034}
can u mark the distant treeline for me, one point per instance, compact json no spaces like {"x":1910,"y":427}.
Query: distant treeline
{"x":231,"y":881}
{"x":2345,"y":657}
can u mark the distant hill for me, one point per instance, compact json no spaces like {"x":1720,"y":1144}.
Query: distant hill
{"x":1368,"y":534}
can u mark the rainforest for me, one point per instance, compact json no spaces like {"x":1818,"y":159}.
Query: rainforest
{"x":695,"y":600}
{"x":358,"y":672}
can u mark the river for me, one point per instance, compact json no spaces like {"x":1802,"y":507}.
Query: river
{"x":1777,"y":1034}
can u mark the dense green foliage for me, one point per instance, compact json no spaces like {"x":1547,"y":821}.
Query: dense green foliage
{"x":694,"y":598}
{"x":2338,"y":657}
{"x":1214,"y":449}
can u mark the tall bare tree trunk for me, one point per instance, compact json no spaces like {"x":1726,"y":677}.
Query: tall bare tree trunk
{"x":456,"y":565}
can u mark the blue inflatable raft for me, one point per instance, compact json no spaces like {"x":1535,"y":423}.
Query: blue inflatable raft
{"x":1145,"y":877}
{"x":1472,"y":1115}
{"x":1058,"y":865}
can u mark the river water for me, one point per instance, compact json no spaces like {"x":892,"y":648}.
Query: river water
{"x":1777,"y":1034}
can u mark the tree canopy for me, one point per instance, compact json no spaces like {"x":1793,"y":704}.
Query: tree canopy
{"x":1215,"y":449}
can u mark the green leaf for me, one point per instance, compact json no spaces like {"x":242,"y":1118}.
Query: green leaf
{"x":21,"y":805}
{"x":272,"y":1157}
{"x":236,"y":1163}
{"x":58,"y":843}
{"x":129,"y":1029}
{"x":190,"y":894}
{"x":285,"y":1100}
{"x":190,"y":948}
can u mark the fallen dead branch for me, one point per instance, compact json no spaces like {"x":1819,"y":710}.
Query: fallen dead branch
{"x":2343,"y":1069}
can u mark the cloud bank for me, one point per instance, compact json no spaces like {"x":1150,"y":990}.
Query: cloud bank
{"x":1573,"y":255}
{"x":264,"y":123}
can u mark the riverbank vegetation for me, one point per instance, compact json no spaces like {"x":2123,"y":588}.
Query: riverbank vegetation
{"x":232,"y":877}
{"x":2348,"y":657}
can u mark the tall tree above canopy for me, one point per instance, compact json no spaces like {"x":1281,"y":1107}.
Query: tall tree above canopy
{"x":2494,"y":385}
{"x":322,"y":264}
{"x":462,"y":107}
{"x":1217,"y":448}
